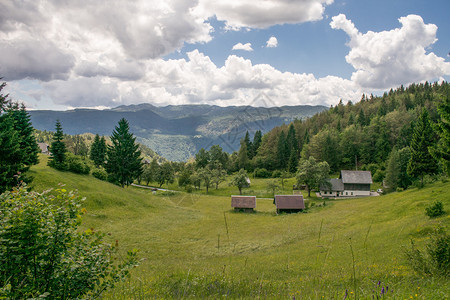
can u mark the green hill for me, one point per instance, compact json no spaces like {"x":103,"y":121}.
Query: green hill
{"x":194,"y":246}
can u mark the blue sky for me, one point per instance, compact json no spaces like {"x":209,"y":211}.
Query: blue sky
{"x":65,"y":55}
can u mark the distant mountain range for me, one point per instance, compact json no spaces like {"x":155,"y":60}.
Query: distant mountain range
{"x":176,"y":132}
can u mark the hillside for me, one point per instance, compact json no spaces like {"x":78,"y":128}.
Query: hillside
{"x":176,"y":132}
{"x":195,"y":246}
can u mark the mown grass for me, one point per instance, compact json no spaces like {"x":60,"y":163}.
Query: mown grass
{"x":195,"y":246}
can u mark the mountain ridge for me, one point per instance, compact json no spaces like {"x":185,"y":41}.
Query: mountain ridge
{"x":176,"y":132}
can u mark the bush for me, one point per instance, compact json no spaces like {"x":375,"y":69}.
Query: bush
{"x":100,"y":173}
{"x":435,"y":259}
{"x":42,"y":254}
{"x":77,"y":164}
{"x":261,"y":173}
{"x":435,"y":210}
{"x":399,"y":189}
{"x":276,"y":174}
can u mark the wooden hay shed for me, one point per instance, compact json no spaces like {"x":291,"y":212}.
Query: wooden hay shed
{"x":289,"y":203}
{"x":243,"y":203}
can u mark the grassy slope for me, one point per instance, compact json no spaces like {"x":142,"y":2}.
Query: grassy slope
{"x":262,"y":254}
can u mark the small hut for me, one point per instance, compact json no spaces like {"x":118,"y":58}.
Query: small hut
{"x":289,"y":203}
{"x":44,"y":148}
{"x":243,"y":203}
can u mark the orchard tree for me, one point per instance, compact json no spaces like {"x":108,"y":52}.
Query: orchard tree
{"x":422,"y":162}
{"x":124,"y":162}
{"x":206,"y":175}
{"x":312,"y":174}
{"x":240,"y":180}
{"x":165,"y":174}
{"x":58,"y":149}
{"x":218,"y":176}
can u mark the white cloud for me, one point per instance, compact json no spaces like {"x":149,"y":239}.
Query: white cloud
{"x":245,"y":47}
{"x":389,"y":58}
{"x":272,"y":42}
{"x":263,"y":14}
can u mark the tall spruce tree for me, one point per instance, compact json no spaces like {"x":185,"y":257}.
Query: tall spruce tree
{"x":10,"y":163}
{"x":422,"y":162}
{"x":28,"y":145}
{"x":282,"y":151}
{"x":58,"y":149}
{"x":124,"y":163}
{"x":257,"y":139}
{"x":442,"y":149}
{"x":98,"y":151}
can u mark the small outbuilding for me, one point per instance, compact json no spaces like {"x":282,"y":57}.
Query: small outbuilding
{"x":289,"y":203}
{"x":44,"y":148}
{"x":243,"y":203}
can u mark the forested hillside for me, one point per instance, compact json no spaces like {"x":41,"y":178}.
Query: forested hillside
{"x":361,"y":135}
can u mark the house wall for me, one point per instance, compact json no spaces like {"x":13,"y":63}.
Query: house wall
{"x":345,"y":193}
{"x":356,"y":187}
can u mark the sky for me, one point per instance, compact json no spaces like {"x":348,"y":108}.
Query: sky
{"x":62,"y":54}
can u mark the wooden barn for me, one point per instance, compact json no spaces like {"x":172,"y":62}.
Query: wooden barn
{"x":289,"y":203}
{"x":243,"y":203}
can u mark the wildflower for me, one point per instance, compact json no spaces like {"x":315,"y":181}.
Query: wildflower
{"x":382,"y":290}
{"x":346,"y":294}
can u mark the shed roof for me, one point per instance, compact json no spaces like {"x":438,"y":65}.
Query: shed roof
{"x":336,"y":185}
{"x":243,"y":201}
{"x":289,"y":202}
{"x":360,"y":177}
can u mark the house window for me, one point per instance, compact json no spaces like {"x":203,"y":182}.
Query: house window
{"x":346,"y":193}
{"x":352,"y":193}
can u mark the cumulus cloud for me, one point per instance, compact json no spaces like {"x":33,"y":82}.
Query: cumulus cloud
{"x":245,"y":47}
{"x":389,"y":58}
{"x":272,"y":42}
{"x":263,"y":14}
{"x":29,"y":58}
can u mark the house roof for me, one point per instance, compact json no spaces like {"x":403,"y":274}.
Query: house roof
{"x":289,"y":202}
{"x":243,"y":201}
{"x":336,"y":185}
{"x":359,"y":177}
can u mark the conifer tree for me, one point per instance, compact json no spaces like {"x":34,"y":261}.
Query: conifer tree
{"x":98,"y":151}
{"x":58,"y":149}
{"x":124,"y":163}
{"x":282,"y":151}
{"x":28,"y":145}
{"x":392,"y":171}
{"x":257,"y":139}
{"x":10,"y":153}
{"x":249,"y":145}
{"x":243,"y":155}
{"x":422,"y":162}
{"x":441,"y":151}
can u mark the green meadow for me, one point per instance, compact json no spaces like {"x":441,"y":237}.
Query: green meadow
{"x":194,"y":246}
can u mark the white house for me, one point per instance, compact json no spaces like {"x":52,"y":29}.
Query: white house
{"x":349,"y":184}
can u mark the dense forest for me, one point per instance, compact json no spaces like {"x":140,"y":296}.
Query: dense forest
{"x":357,"y":136}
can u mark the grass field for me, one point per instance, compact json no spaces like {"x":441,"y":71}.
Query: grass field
{"x":195,"y":246}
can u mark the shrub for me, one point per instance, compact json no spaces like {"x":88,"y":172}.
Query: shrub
{"x":276,"y":174}
{"x":100,"y":173}
{"x":77,"y":164}
{"x":42,"y":254}
{"x":435,"y":259}
{"x":261,"y":173}
{"x":399,"y":189}
{"x":435,"y":210}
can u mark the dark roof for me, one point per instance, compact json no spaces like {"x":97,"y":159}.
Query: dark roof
{"x":336,"y":185}
{"x":360,"y":177}
{"x":289,"y":202}
{"x":243,"y":201}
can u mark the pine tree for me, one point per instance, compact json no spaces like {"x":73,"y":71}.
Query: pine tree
{"x":58,"y":149}
{"x":257,"y":139}
{"x":441,"y":151}
{"x":10,"y":153}
{"x":124,"y":163}
{"x":422,"y":162}
{"x":249,"y":145}
{"x":392,"y":171}
{"x":98,"y":151}
{"x":282,"y":151}
{"x":361,"y":118}
{"x":243,"y":155}
{"x":28,"y":145}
